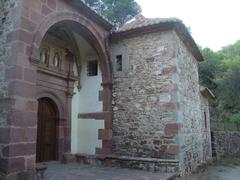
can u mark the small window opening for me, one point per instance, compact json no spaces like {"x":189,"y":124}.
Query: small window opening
{"x":205,"y":119}
{"x":92,"y":68}
{"x":119,"y":62}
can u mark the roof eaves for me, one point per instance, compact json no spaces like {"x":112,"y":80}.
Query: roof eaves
{"x":205,"y":90}
{"x":141,"y":29}
{"x":148,"y":22}
{"x":185,"y":36}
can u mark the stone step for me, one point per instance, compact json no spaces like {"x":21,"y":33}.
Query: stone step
{"x":40,"y":171}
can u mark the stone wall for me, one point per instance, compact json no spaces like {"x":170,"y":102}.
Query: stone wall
{"x":9,"y":17}
{"x":157,"y":105}
{"x":226,"y":143}
{"x":206,"y":129}
{"x":145,"y":97}
{"x":192,"y":136}
{"x":7,"y":21}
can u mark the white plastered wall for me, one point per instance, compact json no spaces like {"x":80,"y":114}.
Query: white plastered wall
{"x":84,"y":137}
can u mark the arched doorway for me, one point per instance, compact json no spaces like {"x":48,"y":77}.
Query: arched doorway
{"x":46,"y":130}
{"x":62,"y":50}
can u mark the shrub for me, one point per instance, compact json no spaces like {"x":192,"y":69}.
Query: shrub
{"x":236,"y":118}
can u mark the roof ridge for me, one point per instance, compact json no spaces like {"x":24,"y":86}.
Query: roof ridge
{"x":139,"y":16}
{"x":140,"y":21}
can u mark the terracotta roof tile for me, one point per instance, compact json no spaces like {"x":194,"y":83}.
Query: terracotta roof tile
{"x":140,"y":21}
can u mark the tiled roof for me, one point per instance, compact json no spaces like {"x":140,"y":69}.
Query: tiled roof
{"x":140,"y":25}
{"x":140,"y":21}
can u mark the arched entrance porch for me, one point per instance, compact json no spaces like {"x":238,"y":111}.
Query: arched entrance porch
{"x":24,"y":85}
{"x":61,"y":51}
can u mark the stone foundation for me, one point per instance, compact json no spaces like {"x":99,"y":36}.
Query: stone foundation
{"x":146,"y":164}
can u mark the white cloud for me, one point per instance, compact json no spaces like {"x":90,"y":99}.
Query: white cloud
{"x":214,"y":23}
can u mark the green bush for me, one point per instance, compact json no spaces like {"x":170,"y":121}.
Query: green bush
{"x":236,"y":118}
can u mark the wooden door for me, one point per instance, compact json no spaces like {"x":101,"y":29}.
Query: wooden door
{"x":46,"y":130}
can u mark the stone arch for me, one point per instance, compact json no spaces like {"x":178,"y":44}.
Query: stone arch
{"x":99,"y":42}
{"x":57,"y":100}
{"x":87,"y":26}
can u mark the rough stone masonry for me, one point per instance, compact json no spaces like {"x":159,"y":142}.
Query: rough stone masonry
{"x":157,"y":105}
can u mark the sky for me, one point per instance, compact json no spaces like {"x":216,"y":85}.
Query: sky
{"x":213,"y":23}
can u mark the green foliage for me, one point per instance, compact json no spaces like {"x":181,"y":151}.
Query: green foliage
{"x":116,"y":11}
{"x":210,"y":70}
{"x":221,"y":73}
{"x":236,"y":118}
{"x":229,"y":90}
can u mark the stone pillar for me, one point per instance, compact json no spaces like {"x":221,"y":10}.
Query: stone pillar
{"x":18,"y":105}
{"x":65,"y":154}
{"x":106,"y":134}
{"x":69,"y":94}
{"x":21,"y":125}
{"x":67,"y":128}
{"x":107,"y":96}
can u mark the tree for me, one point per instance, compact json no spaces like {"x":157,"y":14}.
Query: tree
{"x":117,"y":12}
{"x":221,"y":73}
{"x":209,"y":69}
{"x":229,"y":90}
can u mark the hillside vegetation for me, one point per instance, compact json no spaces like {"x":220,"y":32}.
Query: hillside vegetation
{"x":220,"y":72}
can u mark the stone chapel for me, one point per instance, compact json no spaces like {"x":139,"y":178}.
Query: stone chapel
{"x":73,"y":89}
